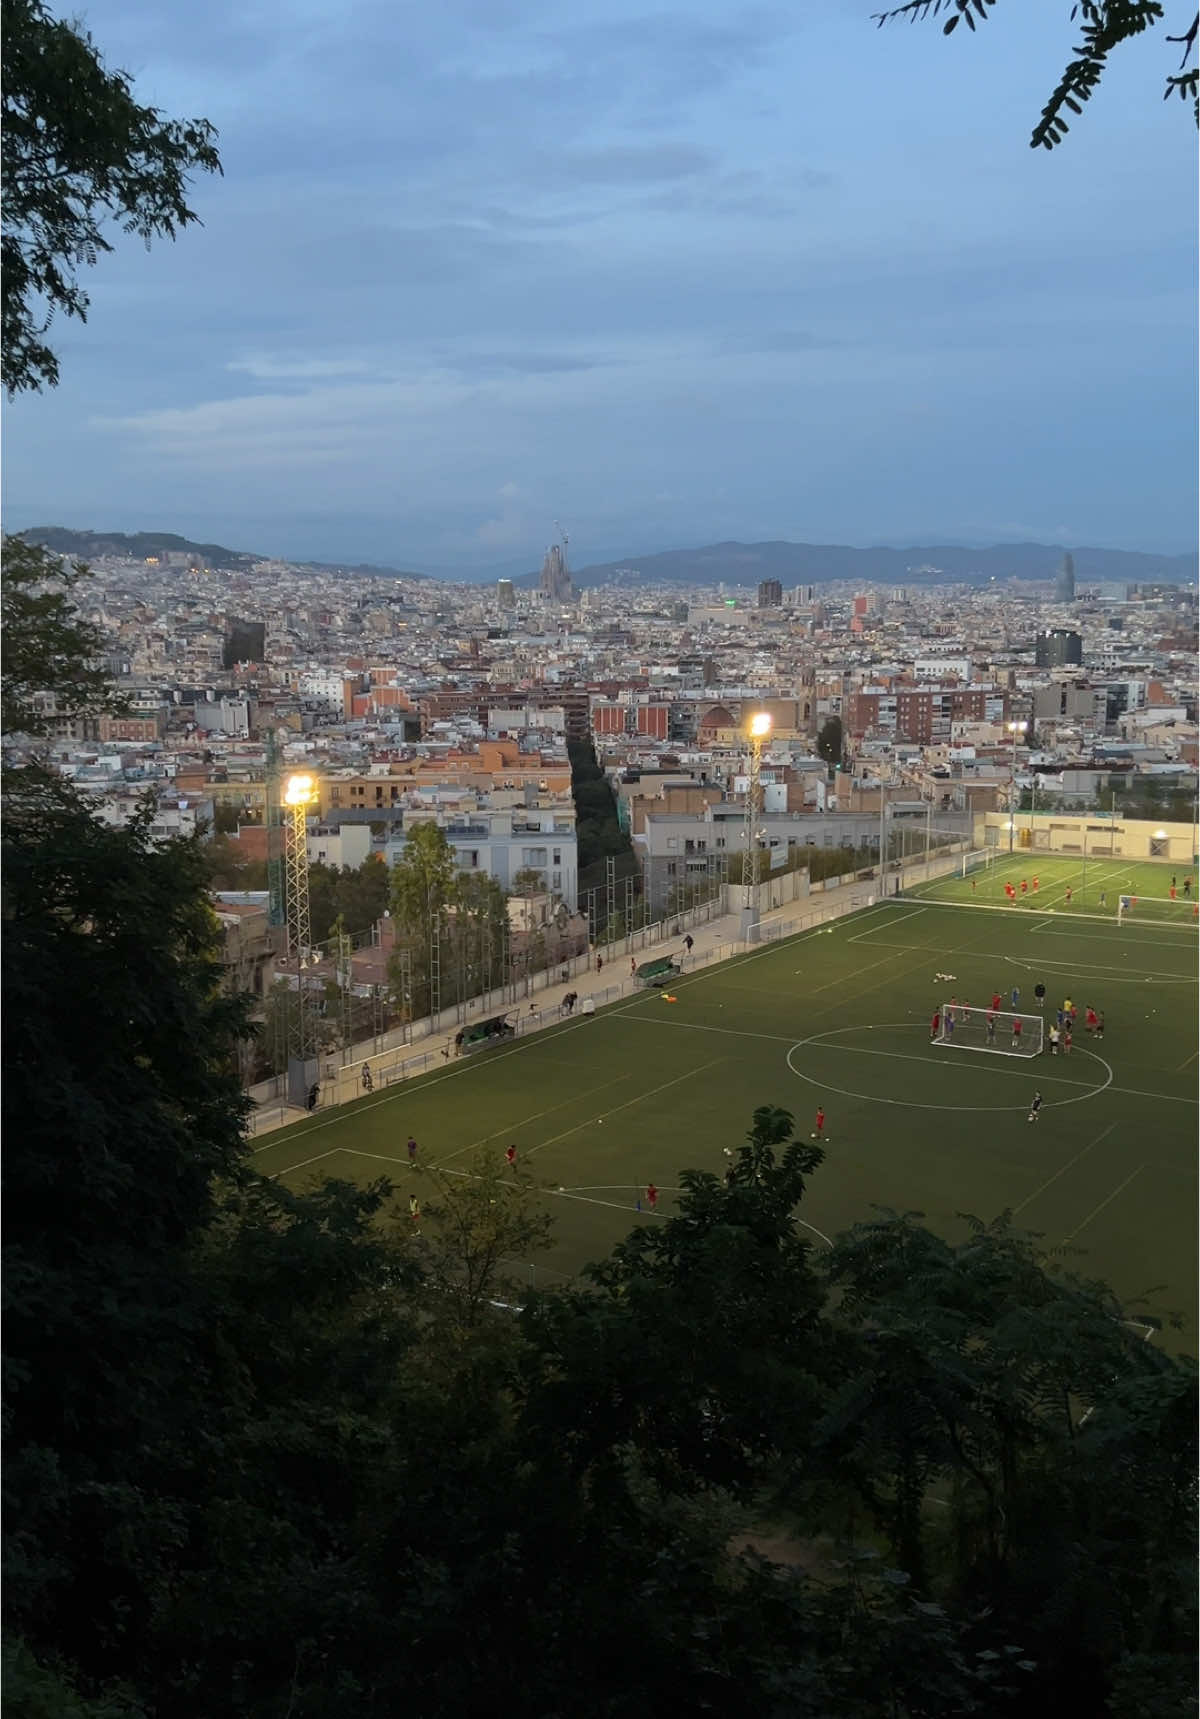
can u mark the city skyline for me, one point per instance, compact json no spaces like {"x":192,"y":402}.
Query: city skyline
{"x":670,"y":280}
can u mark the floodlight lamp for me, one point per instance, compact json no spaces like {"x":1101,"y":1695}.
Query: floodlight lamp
{"x":300,"y":791}
{"x":760,"y":724}
{"x":1160,"y":835}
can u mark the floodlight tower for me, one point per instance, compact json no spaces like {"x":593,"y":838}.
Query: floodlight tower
{"x":1017,"y":730}
{"x":299,"y":796}
{"x":758,"y":729}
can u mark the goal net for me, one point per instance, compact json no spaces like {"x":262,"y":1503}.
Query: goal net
{"x":1183,"y":912}
{"x":1002,"y":1032}
{"x":978,"y":860}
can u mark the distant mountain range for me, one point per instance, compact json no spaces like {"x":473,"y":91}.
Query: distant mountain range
{"x":936,"y":564}
{"x":141,"y":545}
{"x":713,"y":564}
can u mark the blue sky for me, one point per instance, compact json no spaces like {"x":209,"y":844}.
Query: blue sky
{"x":668,"y":276}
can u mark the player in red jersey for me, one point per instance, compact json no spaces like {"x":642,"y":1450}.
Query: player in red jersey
{"x":652,"y":1196}
{"x":818,"y":1132}
{"x":510,"y":1157}
{"x":996,"y":1001}
{"x":934,"y":1024}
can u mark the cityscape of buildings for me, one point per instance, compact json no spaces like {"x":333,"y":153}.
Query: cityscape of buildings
{"x":410,"y":700}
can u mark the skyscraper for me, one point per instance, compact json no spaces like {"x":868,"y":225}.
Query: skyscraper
{"x":1064,"y":582}
{"x":770,"y":594}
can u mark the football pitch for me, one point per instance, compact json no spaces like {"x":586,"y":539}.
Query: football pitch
{"x":839,"y":1016}
{"x":1055,"y":883}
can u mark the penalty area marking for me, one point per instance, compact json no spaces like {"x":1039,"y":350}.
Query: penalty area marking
{"x":917,"y":1104}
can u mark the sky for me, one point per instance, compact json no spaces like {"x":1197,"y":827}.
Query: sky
{"x":666,"y":276}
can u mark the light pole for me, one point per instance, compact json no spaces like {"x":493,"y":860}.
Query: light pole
{"x":758,"y":729}
{"x":1016,"y":729}
{"x":299,"y":796}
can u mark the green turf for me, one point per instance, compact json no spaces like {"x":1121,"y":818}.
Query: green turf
{"x":600,"y":1107}
{"x":1107,"y":876}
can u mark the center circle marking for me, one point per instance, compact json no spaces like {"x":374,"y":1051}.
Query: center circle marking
{"x":918,"y":1104}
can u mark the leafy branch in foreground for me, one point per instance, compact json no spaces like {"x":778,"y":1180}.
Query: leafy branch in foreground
{"x":78,"y":151}
{"x":49,"y":650}
{"x":1106,"y":25}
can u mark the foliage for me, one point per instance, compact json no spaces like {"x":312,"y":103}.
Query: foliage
{"x":48,"y":648}
{"x":77,"y":151}
{"x":1105,"y":26}
{"x":1062,"y":1445}
{"x":230,"y":869}
{"x":482,"y":1221}
{"x":358,"y":896}
{"x":123,"y":1113}
{"x":597,"y":827}
{"x":464,"y":912}
{"x":830,"y":743}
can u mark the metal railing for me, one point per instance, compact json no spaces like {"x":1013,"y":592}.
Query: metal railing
{"x":390,"y":1066}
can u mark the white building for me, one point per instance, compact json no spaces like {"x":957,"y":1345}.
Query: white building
{"x":511,"y":840}
{"x":346,"y":845}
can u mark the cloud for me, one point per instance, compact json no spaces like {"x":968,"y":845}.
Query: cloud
{"x":633,"y":164}
{"x":283,"y":369}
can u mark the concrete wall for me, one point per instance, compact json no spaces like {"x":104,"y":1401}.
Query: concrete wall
{"x":1071,"y":833}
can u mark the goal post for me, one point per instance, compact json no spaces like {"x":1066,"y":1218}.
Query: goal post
{"x":1000,"y":1032}
{"x":1183,"y":913}
{"x":978,"y":859}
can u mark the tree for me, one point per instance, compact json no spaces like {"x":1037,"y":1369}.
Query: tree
{"x":694,"y":1341}
{"x":49,"y":650}
{"x":482,"y":1222}
{"x":830,"y":744}
{"x":1105,"y":26}
{"x":598,"y":828}
{"x":77,"y":151}
{"x":123,"y":1114}
{"x":1024,"y":1399}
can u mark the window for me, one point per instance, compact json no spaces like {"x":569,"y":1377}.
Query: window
{"x":673,"y":844}
{"x":533,"y":856}
{"x":672,"y":868}
{"x":556,"y":880}
{"x":558,"y":856}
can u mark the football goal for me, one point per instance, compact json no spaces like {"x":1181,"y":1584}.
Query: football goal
{"x":1182,"y":913}
{"x":996,"y":1030}
{"x":978,"y":860}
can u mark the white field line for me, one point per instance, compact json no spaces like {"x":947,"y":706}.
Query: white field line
{"x":1096,"y":1210}
{"x":511,"y":1127}
{"x":402,"y":1087}
{"x":897,"y":919}
{"x":292,"y":1168}
{"x":689,"y":1074}
{"x":1050,"y":1180}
